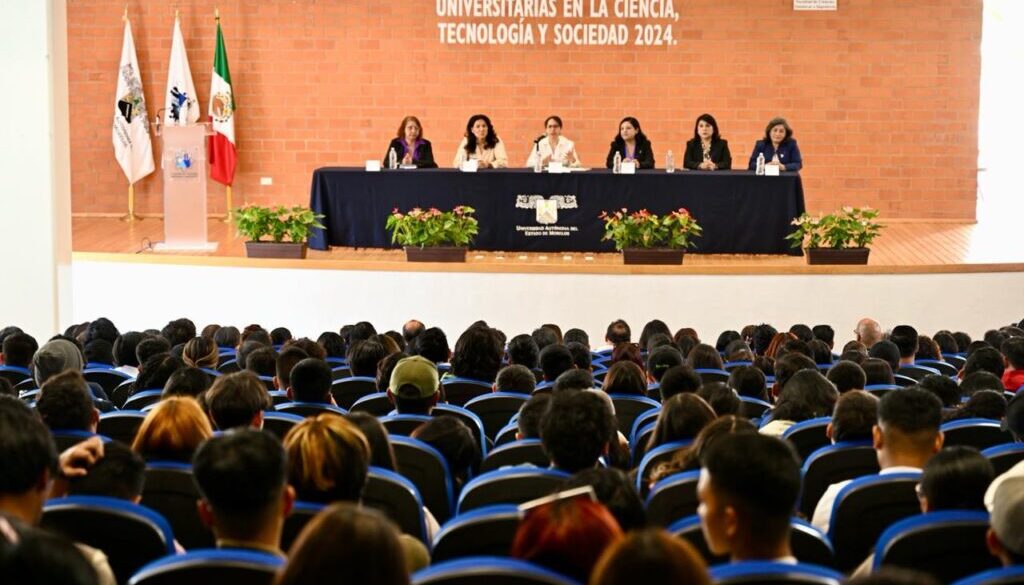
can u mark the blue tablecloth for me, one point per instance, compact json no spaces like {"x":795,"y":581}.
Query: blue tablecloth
{"x":741,"y":213}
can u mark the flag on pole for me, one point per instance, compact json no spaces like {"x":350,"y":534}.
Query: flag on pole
{"x":222,"y":153}
{"x":132,"y":146}
{"x":181,"y":106}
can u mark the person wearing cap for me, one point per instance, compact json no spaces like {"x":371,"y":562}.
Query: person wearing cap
{"x":414,"y":386}
{"x":1013,"y":422}
{"x":1005,"y":538}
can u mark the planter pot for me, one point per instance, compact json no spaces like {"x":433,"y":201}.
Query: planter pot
{"x":435,"y":254}
{"x":837,"y":255}
{"x":652,"y":255}
{"x":292,"y":250}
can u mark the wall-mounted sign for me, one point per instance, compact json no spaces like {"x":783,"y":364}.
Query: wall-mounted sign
{"x":815,"y":4}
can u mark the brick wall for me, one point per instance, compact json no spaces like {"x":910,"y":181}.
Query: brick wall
{"x":882,"y":95}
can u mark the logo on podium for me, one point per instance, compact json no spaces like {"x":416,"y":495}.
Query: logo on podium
{"x":547,"y":208}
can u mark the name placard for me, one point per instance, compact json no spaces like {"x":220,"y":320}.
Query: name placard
{"x":627,"y":168}
{"x":469,"y":166}
{"x":373,"y":166}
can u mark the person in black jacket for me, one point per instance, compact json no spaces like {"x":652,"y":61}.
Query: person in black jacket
{"x":410,"y":146}
{"x":631,"y":144}
{"x":707,"y":151}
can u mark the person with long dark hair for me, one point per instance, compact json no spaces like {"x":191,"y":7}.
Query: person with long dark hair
{"x":632,"y":145}
{"x":410,"y":146}
{"x":707,"y":150}
{"x":482,"y":144}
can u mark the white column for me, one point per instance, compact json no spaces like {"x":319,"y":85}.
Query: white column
{"x":35,"y":175}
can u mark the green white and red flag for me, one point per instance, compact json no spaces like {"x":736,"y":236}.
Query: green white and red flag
{"x":222,"y":151}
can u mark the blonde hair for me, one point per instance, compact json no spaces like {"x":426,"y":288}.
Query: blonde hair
{"x":173,"y":430}
{"x":200,"y":352}
{"x":328,"y":459}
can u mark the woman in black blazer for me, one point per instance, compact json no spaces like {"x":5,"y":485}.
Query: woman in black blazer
{"x":631,"y":144}
{"x":410,"y":146}
{"x":707,"y":151}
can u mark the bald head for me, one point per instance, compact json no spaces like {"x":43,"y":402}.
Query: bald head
{"x":411,"y":329}
{"x":869,"y":332}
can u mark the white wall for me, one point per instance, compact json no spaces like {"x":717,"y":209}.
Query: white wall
{"x":311,"y":301}
{"x":35,"y":199}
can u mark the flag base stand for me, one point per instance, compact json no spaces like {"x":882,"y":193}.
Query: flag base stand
{"x":130,"y":217}
{"x":230,"y":215}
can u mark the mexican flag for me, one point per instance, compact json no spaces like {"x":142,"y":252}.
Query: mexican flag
{"x":222,"y":153}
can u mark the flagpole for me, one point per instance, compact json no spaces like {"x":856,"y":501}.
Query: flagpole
{"x":130,"y":216}
{"x":228,"y":207}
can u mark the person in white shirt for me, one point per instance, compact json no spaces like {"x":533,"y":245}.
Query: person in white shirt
{"x":552,"y":146}
{"x":905,"y":438}
{"x":482,"y":144}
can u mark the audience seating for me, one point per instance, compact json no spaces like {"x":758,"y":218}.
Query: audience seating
{"x":1003,"y":457}
{"x":751,"y":407}
{"x":278,"y":397}
{"x":904,"y":381}
{"x":211,"y":567}
{"x":809,"y":545}
{"x":14,"y":374}
{"x":864,"y":509}
{"x":490,"y":570}
{"x":917,"y":371}
{"x":424,"y":466}
{"x":672,"y":498}
{"x":638,"y":444}
{"x":120,"y":425}
{"x":833,"y":464}
{"x":378,"y":404}
{"x":956,"y":360}
{"x":29,"y":396}
{"x":26,"y":384}
{"x":268,"y":381}
{"x":506,"y":435}
{"x":120,"y":394}
{"x":309,"y":408}
{"x":808,"y":436}
{"x":459,"y":391}
{"x":279,"y":423}
{"x":108,"y":379}
{"x":652,"y":458}
{"x":980,"y":433}
{"x":67,"y":438}
{"x":629,"y":407}
{"x":403,"y":424}
{"x":476,"y":426}
{"x":771,"y":573}
{"x":170,"y":489}
{"x":398,"y":499}
{"x":485,"y":531}
{"x":228,"y":366}
{"x":524,"y":452}
{"x":302,"y":513}
{"x":944,"y":368}
{"x":708,"y":376}
{"x":949,"y":545}
{"x":1012,"y":575}
{"x":131,"y":535}
{"x":142,"y":399}
{"x":730,"y":366}
{"x":495,"y":409}
{"x":509,"y":486}
{"x":881,"y":390}
{"x":346,"y":391}
{"x":641,"y":422}
{"x":340,"y":372}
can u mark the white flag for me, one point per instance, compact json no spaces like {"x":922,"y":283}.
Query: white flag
{"x":132,"y":146}
{"x":181,"y":107}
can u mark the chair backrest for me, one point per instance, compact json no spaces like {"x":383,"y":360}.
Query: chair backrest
{"x":771,"y":573}
{"x":211,"y":567}
{"x":526,"y":451}
{"x":305,"y":409}
{"x":809,"y":545}
{"x":170,"y":489}
{"x":302,"y":513}
{"x":652,"y":458}
{"x":808,"y":436}
{"x":278,"y":397}
{"x":673,"y":498}
{"x":131,"y":535}
{"x":917,"y":371}
{"x":340,"y":372}
{"x":708,"y":375}
{"x":751,"y":407}
{"x":485,"y":531}
{"x":107,"y":378}
{"x":279,"y":423}
{"x":881,"y":390}
{"x":629,"y":407}
{"x":378,"y":404}
{"x":142,"y":399}
{"x":120,"y":425}
{"x":490,"y":570}
{"x":398,"y":499}
{"x":638,"y":444}
{"x":14,"y":374}
{"x":119,"y":395}
{"x":507,"y":434}
{"x":347,"y":390}
{"x":1003,"y":457}
{"x":403,"y":424}
{"x":229,"y":366}
{"x":642,"y":421}
{"x":426,"y":467}
{"x":1012,"y":575}
{"x":903,"y":381}
{"x":980,"y":433}
{"x":833,"y":464}
{"x":26,"y":384}
{"x":864,"y":508}
{"x":459,"y":391}
{"x":944,"y":368}
{"x":471,"y":420}
{"x":509,"y":486}
{"x":730,"y":366}
{"x":949,"y":545}
{"x":496,"y":409}
{"x":67,"y":438}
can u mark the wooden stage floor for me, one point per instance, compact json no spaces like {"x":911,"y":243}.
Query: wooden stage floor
{"x":904,"y":248}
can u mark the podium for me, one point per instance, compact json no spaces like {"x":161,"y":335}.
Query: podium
{"x":184,"y":167}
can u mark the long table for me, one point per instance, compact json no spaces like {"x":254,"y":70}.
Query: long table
{"x":741,"y":213}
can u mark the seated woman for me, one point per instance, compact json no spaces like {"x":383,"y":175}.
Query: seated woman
{"x":172,"y":431}
{"x":778,"y":147}
{"x":410,"y":145}
{"x":482,"y":144}
{"x":552,"y":146}
{"x":707,"y":151}
{"x":632,"y":145}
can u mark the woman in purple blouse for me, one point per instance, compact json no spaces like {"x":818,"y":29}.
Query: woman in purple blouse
{"x":410,"y":146}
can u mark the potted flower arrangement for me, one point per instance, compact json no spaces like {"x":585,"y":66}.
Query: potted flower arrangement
{"x":276,"y":223}
{"x":646,"y":238}
{"x":842,"y":237}
{"x":432,"y":235}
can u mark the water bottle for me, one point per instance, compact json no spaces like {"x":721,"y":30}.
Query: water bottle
{"x":670,"y":163}
{"x":392,"y":159}
{"x":760,"y":164}
{"x":538,"y":165}
{"x":617,"y":163}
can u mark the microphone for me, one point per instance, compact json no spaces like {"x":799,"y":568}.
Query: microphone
{"x":539,"y":138}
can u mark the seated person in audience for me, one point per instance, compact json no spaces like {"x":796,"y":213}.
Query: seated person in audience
{"x":412,"y":329}
{"x":364,"y":356}
{"x":567,"y":536}
{"x":286,"y":360}
{"x":99,"y":352}
{"x":577,"y":336}
{"x":854,"y":417}
{"x":415,"y":387}
{"x":18,"y":349}
{"x":868,"y":332}
{"x":65,"y":403}
{"x":260,"y":359}
{"x":310,"y":381}
{"x":704,"y":357}
{"x":657,"y":340}
{"x":372,"y":543}
{"x":482,"y":144}
{"x":544,"y":336}
{"x":515,"y":378}
{"x":739,"y":351}
{"x":749,"y":484}
{"x":681,"y":418}
{"x":806,"y":395}
{"x":312,"y":348}
{"x":149,"y":346}
{"x":617,"y":332}
{"x":778,"y":147}
{"x":555,"y":359}
{"x":956,"y":478}
{"x":661,"y":558}
{"x":384,"y":369}
{"x":7,"y":389}
{"x":120,"y":473}
{"x":888,"y":352}
{"x":172,"y":431}
{"x":453,"y":439}
{"x":332,"y":344}
{"x":523,"y":351}
{"x":552,"y":146}
{"x":1005,"y":537}
{"x":707,"y":150}
{"x":178,"y":331}
{"x":433,"y":345}
{"x":989,"y":404}
{"x":632,"y":145}
{"x":978,"y":381}
{"x":787,"y":366}
{"x":200,"y":352}
{"x":942,"y":386}
{"x":802,"y":332}
{"x":54,"y":357}
{"x":825,"y":333}
{"x":576,"y":430}
{"x":242,"y":481}
{"x":660,"y":359}
{"x":679,"y":379}
{"x":625,"y":377}
{"x":616,"y":491}
{"x":581,"y":356}
{"x":748,"y":381}
{"x":723,"y":399}
{"x":29,"y":556}
{"x":155,"y":371}
{"x":1013,"y":376}
{"x":906,"y":339}
{"x":187,"y":382}
{"x":530,"y":415}
{"x":477,"y":354}
{"x":927,"y":349}
{"x":689,"y":459}
{"x":821,"y":353}
{"x":906,"y":437}
{"x":847,"y":376}
{"x":877,"y":372}
{"x":575,"y":379}
{"x":410,"y":147}
{"x":237,"y":400}
{"x":985,"y":359}
{"x":382,"y":454}
{"x":626,"y":352}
